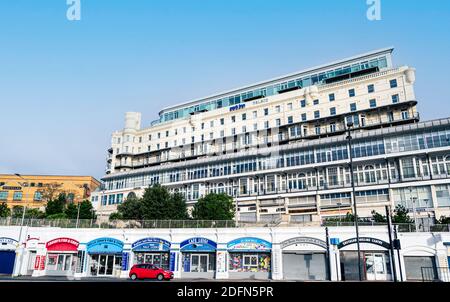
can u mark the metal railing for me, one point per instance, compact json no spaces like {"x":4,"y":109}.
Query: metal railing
{"x":116,"y":224}
{"x":435,"y":274}
{"x":167,"y":224}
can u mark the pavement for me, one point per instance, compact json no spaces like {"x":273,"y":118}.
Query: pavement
{"x":112,"y":279}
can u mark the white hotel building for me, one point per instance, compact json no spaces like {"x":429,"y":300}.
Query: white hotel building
{"x":279,"y":147}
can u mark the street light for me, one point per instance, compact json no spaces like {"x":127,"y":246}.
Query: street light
{"x":349,"y":139}
{"x":339,"y":209}
{"x":25,"y":206}
{"x":413,"y":200}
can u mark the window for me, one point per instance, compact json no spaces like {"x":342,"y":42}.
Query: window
{"x":167,"y":132}
{"x":3,"y":195}
{"x":233,"y":119}
{"x":157,"y":146}
{"x":277,"y":109}
{"x":395,"y":98}
{"x":290,"y":119}
{"x":159,"y":135}
{"x":202,"y":126}
{"x":289,"y":106}
{"x":351,"y":93}
{"x":119,"y":198}
{"x":317,"y":129}
{"x":211,"y":135}
{"x":166,"y":144}
{"x":211,"y":124}
{"x":266,"y":111}
{"x":331,"y":97}
{"x":405,"y":115}
{"x":244,"y":116}
{"x":255,"y":126}
{"x":192,"y":139}
{"x":393,"y":83}
{"x":353,"y":107}
{"x":370,"y":88}
{"x":278,"y":122}
{"x":333,"y":127}
{"x":244,"y":129}
{"x":373,"y":103}
{"x":333,"y":111}
{"x":222,"y":133}
{"x":233,"y":131}
{"x":266,"y":124}
{"x":222,"y":121}
{"x":303,"y":103}
{"x":255,"y":114}
{"x":317,"y":114}
{"x":17,"y":196}
{"x":316,"y":102}
{"x":303,"y":116}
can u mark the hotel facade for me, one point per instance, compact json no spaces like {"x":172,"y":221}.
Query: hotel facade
{"x":280,"y":147}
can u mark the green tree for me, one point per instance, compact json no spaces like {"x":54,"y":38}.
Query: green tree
{"x":115,"y":216}
{"x":17,"y":211}
{"x":57,"y":216}
{"x":443,"y":220}
{"x":129,"y":209}
{"x":56,"y":206}
{"x":71,"y":211}
{"x":401,"y":215}
{"x":34,"y":213}
{"x":158,"y":203}
{"x":86,"y":210}
{"x":377,"y":217}
{"x":214,"y":206}
{"x":4,"y":210}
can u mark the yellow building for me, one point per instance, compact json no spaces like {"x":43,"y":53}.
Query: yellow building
{"x":33,"y":190}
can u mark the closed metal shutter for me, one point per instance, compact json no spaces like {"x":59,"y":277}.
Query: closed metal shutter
{"x":304,"y":266}
{"x":7,"y":259}
{"x":420,"y":268}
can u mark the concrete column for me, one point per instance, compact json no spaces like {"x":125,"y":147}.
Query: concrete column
{"x":277,"y":262}
{"x":129,"y":254}
{"x":335,"y":271}
{"x":175,"y":251}
{"x":434,"y":197}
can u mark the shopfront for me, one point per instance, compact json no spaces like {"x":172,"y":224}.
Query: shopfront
{"x":198,"y":257}
{"x":62,"y":257}
{"x":152,"y":250}
{"x":105,"y":257}
{"x":7,"y":255}
{"x":375,"y":259}
{"x":249,"y":257}
{"x":305,"y":258}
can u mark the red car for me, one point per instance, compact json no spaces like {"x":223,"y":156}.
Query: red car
{"x":149,"y":271}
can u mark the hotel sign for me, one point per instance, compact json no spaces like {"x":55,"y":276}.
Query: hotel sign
{"x":11,"y":188}
{"x":237,"y":107}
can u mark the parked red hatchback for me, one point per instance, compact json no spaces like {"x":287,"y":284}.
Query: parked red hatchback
{"x":149,"y":271}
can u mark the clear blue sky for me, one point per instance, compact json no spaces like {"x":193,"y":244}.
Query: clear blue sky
{"x":65,"y":85}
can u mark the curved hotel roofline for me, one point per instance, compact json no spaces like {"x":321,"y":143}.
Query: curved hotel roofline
{"x":442,"y":122}
{"x":387,"y":50}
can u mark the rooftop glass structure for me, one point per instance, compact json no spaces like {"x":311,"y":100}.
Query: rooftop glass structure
{"x":325,"y":74}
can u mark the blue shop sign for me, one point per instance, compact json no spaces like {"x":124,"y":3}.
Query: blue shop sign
{"x":125,"y":260}
{"x":172,"y":261}
{"x":105,"y":245}
{"x":249,"y":244}
{"x":198,"y":244}
{"x":151,"y":244}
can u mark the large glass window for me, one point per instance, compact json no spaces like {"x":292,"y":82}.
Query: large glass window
{"x":3,"y":195}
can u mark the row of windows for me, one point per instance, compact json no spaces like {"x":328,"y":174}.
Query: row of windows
{"x":369,"y":147}
{"x":17,"y":196}
{"x":112,"y":199}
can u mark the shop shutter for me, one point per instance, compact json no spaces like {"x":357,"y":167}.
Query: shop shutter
{"x":7,"y":259}
{"x":304,"y":266}
{"x":420,"y":268}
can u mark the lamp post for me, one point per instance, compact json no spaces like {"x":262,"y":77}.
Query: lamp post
{"x":413,"y":200}
{"x":24,"y":207}
{"x":349,"y":139}
{"x":339,"y":209}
